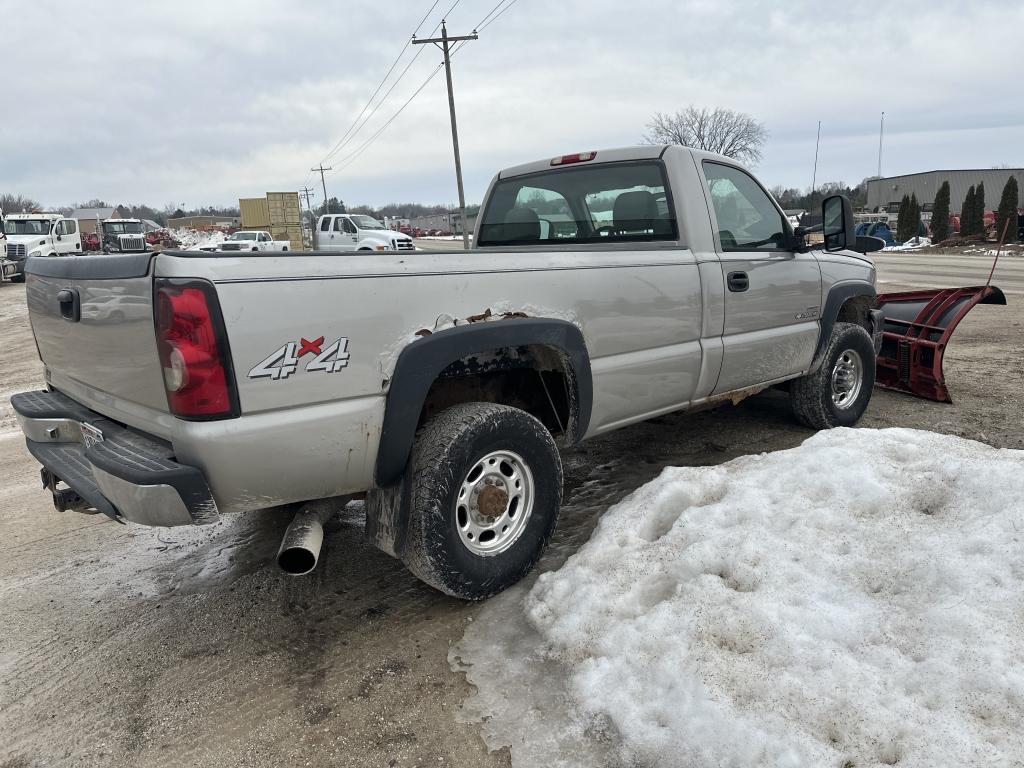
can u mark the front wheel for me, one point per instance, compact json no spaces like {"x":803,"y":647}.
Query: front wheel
{"x":837,"y":394}
{"x":486,"y":489}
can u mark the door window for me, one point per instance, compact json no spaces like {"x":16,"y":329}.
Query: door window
{"x":349,"y":226}
{"x":70,"y":226}
{"x":325,"y":225}
{"x":747,"y":218}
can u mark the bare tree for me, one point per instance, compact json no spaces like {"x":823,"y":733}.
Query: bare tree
{"x":719,"y":130}
{"x":17,"y":203}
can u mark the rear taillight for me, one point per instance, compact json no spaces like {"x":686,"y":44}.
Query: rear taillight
{"x":193,"y":350}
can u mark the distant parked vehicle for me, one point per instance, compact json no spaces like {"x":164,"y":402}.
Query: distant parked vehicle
{"x":163,"y":238}
{"x":249,"y":240}
{"x":355,"y":232}
{"x":38,"y":234}
{"x":124,"y":236}
{"x":91,"y":242}
{"x":877,"y":229}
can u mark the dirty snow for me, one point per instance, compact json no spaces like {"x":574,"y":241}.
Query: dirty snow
{"x":913,"y":244}
{"x":192,"y":239}
{"x":856,"y":601}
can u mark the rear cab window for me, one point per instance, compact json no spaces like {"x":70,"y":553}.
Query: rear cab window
{"x":613,"y":202}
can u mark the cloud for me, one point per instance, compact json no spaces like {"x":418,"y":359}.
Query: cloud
{"x":205,"y":102}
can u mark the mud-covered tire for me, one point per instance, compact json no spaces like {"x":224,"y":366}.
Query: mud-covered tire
{"x":447,"y":450}
{"x":814,"y":396}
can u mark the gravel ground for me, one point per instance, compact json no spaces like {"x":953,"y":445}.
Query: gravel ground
{"x":122,"y":645}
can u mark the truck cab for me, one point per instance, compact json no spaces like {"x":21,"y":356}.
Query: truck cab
{"x":124,"y":236}
{"x":356,"y":232}
{"x":39,"y":234}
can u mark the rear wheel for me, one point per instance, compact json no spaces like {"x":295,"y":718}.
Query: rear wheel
{"x":486,"y":488}
{"x":837,"y":394}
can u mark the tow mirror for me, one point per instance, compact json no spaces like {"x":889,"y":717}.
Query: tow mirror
{"x":837,"y":223}
{"x":868,"y":244}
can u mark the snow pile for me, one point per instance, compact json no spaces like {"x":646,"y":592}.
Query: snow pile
{"x":913,"y":244}
{"x":193,"y":239}
{"x":854,"y":601}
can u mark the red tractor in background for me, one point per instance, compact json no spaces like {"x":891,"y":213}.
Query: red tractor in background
{"x":163,"y":238}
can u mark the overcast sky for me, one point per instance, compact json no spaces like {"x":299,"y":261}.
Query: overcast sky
{"x":204,"y":102}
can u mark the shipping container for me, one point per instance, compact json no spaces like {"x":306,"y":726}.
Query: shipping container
{"x":255,"y":213}
{"x":278,"y":213}
{"x":285,"y":217}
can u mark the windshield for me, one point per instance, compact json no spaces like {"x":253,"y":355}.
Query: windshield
{"x":367,"y":222}
{"x":122,"y":227}
{"x":589,"y":204}
{"x":28,"y":226}
{"x":243,"y":236}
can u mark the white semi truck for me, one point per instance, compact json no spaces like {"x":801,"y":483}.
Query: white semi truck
{"x":38,"y":234}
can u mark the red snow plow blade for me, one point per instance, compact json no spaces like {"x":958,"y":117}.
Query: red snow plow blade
{"x":917,"y":328}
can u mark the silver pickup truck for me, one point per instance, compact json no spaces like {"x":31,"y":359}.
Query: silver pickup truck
{"x":603,"y":288}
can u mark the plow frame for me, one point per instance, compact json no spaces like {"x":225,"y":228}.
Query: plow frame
{"x":916,"y":329}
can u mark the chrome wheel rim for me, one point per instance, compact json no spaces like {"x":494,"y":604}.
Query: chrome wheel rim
{"x":847,"y":379}
{"x":494,"y":503}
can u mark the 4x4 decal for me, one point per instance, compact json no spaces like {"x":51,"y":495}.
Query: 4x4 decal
{"x":284,"y":361}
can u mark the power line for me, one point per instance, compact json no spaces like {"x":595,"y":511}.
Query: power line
{"x":345,"y":141}
{"x":495,"y":18}
{"x":485,"y":18}
{"x":349,"y":159}
{"x":352,"y":156}
{"x":338,"y":145}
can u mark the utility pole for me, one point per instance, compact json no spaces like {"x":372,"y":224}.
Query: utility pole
{"x":881,"y":133}
{"x":307,"y":193}
{"x":321,"y":170}
{"x":814,"y":178}
{"x":442,"y":43}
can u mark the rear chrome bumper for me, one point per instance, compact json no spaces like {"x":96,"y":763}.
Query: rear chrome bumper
{"x":125,"y":474}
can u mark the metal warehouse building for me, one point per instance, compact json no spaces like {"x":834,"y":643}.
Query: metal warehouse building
{"x":887,"y":193}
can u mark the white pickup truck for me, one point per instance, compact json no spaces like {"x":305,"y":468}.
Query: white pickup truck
{"x":356,"y":232}
{"x":38,"y":234}
{"x":248,"y":240}
{"x":602,"y":289}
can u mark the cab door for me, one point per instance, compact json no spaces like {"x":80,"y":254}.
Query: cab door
{"x":327,"y":237}
{"x":350,"y":234}
{"x":773,"y":294}
{"x":67,"y":239}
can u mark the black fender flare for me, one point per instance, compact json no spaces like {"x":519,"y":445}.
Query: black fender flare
{"x":422,"y":361}
{"x":838,"y":295}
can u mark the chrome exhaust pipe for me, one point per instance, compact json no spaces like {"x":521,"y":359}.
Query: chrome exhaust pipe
{"x":300,"y":547}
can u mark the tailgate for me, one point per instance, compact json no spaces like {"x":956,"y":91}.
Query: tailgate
{"x":92,"y":317}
